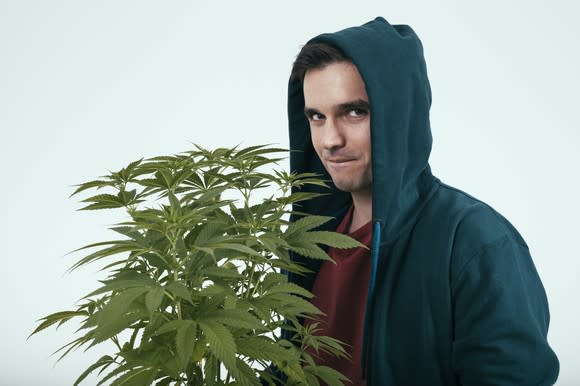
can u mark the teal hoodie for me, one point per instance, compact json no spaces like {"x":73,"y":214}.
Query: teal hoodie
{"x":454,"y":296}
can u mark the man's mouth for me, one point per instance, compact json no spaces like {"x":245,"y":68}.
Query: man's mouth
{"x":339,"y":160}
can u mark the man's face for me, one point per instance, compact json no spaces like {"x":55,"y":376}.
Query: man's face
{"x":336,"y":105}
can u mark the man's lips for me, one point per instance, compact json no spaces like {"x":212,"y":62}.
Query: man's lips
{"x":339,"y":163}
{"x":339,"y":160}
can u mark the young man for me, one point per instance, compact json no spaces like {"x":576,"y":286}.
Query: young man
{"x":447,"y":293}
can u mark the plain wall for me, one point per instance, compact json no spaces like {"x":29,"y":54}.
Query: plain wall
{"x":88,"y":86}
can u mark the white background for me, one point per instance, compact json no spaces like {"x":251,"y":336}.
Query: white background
{"x":87,"y":86}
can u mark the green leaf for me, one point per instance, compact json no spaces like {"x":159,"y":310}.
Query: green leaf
{"x":233,"y":318}
{"x":235,"y":247}
{"x":333,"y":239}
{"x":272,"y":242}
{"x":118,"y":314}
{"x":255,"y":150}
{"x":220,"y":272}
{"x":290,"y":288}
{"x":179,"y":290}
{"x":119,"y":370}
{"x":58,"y":317}
{"x":103,"y":201}
{"x":199,"y":349}
{"x":211,"y":370}
{"x":305,"y":224}
{"x":245,"y":375}
{"x":212,"y":290}
{"x":185,"y":341}
{"x":102,"y":361}
{"x":291,"y":303}
{"x":298,"y":197}
{"x":124,"y":280}
{"x":92,"y":184}
{"x":221,"y":343}
{"x":261,"y":347}
{"x":310,"y":250}
{"x":209,"y":232}
{"x":120,"y":247}
{"x":328,"y":375}
{"x":127,"y":197}
{"x":172,"y":325}
{"x":139,"y":376}
{"x":153,"y":299}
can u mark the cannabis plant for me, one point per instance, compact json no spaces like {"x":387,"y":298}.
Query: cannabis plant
{"x":196,"y":292}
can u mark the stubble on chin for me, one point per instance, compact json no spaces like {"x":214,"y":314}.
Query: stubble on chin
{"x":353,"y":184}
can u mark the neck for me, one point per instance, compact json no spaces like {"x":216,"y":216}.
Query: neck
{"x":363,"y":210}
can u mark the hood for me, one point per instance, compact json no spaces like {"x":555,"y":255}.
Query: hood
{"x":390,"y":61}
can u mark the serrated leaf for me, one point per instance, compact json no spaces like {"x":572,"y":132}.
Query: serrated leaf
{"x":102,"y":361}
{"x":235,"y":247}
{"x":272,"y":242}
{"x":305,"y":224}
{"x":312,"y":251}
{"x":220,"y":272}
{"x":287,"y":302}
{"x":124,"y":280}
{"x":221,"y":343}
{"x":230,"y":302}
{"x":57,"y":317}
{"x":172,"y":325}
{"x":212,"y":290}
{"x":123,"y":246}
{"x":105,"y":199}
{"x":260,"y":347}
{"x":140,"y":376}
{"x":258,"y":150}
{"x":209,"y":232}
{"x":91,"y":184}
{"x":290,"y":288}
{"x":119,"y":370}
{"x":327,"y":374}
{"x":127,"y":197}
{"x":210,"y":370}
{"x":299,"y":196}
{"x":118,"y":314}
{"x":333,"y":239}
{"x":132,"y":233}
{"x":153,"y":299}
{"x":245,"y":375}
{"x":180,"y":290}
{"x":199,"y":349}
{"x":234,"y":318}
{"x":185,"y":341}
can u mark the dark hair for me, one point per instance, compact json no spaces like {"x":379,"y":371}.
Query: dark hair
{"x":316,"y":55}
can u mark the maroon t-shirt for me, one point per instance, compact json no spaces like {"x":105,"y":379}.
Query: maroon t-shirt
{"x":340,"y":291}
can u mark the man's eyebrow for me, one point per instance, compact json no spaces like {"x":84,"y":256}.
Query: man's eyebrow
{"x":356,"y":104}
{"x":351,"y":105}
{"x":308,"y":111}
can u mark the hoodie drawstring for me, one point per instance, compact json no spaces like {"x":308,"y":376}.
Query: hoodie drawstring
{"x":376,"y":244}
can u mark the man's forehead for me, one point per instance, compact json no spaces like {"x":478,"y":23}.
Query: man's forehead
{"x":334,"y":83}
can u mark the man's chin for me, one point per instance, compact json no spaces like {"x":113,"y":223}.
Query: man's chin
{"x":345,"y":187}
{"x":352,"y":186}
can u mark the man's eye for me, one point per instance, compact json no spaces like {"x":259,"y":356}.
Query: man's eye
{"x":357,"y":112}
{"x":316,"y":117}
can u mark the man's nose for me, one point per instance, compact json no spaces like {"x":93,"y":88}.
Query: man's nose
{"x":332,"y":136}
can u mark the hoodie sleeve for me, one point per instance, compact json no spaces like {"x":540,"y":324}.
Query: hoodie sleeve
{"x":501,"y":319}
